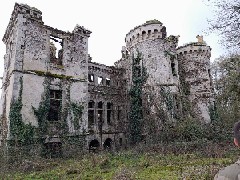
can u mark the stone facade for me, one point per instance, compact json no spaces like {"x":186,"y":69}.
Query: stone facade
{"x":64,"y":95}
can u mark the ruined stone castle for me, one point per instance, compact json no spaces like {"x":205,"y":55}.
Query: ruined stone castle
{"x":65,"y":100}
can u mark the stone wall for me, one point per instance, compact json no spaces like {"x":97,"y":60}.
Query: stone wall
{"x":106,"y":87}
{"x":95,"y":100}
{"x":194,"y":60}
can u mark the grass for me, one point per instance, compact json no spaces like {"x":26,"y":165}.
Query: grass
{"x":126,"y":165}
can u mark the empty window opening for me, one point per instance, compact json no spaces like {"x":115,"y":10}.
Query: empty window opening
{"x":108,"y":144}
{"x":91,"y":104}
{"x":90,"y":78}
{"x":108,"y":81}
{"x":164,"y":32}
{"x":94,"y":145}
{"x":143,"y":34}
{"x":90,"y":117}
{"x":100,"y":119}
{"x":109,"y":112}
{"x":55,"y":105}
{"x":173,"y":69}
{"x":56,"y":50}
{"x":119,"y":113}
{"x":209,"y":73}
{"x":149,"y":32}
{"x":100,"y":105}
{"x":120,"y":141}
{"x":155,"y":31}
{"x":100,"y":80}
{"x":100,"y":115}
{"x":109,"y":105}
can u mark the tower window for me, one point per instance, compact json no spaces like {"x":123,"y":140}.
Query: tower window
{"x":107,"y":81}
{"x":100,"y":80}
{"x":55,"y":104}
{"x":173,"y":69}
{"x":90,"y":78}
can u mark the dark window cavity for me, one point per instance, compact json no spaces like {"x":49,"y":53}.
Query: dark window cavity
{"x":55,"y":105}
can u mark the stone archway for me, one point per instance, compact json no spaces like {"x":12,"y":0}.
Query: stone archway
{"x":94,"y":145}
{"x":108,"y":144}
{"x":53,"y":147}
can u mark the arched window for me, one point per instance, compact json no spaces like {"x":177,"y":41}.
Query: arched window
{"x":94,"y":145}
{"x":108,"y":144}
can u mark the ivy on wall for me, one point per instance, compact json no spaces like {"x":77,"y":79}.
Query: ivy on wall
{"x":168,"y":99}
{"x":77,"y":110}
{"x":139,"y":77}
{"x":21,"y":133}
{"x":42,"y":111}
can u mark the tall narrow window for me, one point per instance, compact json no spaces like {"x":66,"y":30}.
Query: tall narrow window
{"x":108,"y":81}
{"x":56,"y":50}
{"x":119,"y":113}
{"x":55,"y":105}
{"x":90,"y":78}
{"x":90,"y":117}
{"x":100,"y":80}
{"x":90,"y":113}
{"x":100,"y":115}
{"x":109,"y":113}
{"x":173,"y":69}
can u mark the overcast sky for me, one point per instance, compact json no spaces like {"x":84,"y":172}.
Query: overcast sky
{"x":111,"y":20}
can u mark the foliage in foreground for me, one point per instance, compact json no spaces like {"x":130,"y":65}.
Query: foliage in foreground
{"x":152,"y":163}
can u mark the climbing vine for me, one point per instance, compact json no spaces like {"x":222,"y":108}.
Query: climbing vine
{"x":42,"y":111}
{"x":77,"y":110}
{"x":139,"y":77}
{"x":168,"y":99}
{"x":21,"y":133}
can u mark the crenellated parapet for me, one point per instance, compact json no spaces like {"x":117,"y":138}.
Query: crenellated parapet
{"x":148,"y":31}
{"x":195,"y":78}
{"x":27,"y":12}
{"x":194,"y":49}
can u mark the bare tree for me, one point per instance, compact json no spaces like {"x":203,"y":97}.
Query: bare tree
{"x":226,"y":22}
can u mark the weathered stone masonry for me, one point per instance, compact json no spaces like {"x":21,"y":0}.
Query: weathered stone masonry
{"x":68,"y":98}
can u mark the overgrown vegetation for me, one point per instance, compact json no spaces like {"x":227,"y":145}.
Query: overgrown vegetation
{"x":139,"y":77}
{"x":172,"y":161}
{"x":77,"y":110}
{"x":42,"y":111}
{"x":21,"y":133}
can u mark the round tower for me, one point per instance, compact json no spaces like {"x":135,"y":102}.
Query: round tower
{"x":160,"y":92}
{"x":150,"y":30}
{"x":158,"y":52}
{"x":195,"y":78}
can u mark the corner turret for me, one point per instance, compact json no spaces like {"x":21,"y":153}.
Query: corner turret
{"x":150,"y":30}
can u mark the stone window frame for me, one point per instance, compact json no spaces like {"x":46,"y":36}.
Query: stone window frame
{"x":55,"y":98}
{"x":91,"y":111}
{"x":54,"y":40}
{"x":109,"y":113}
